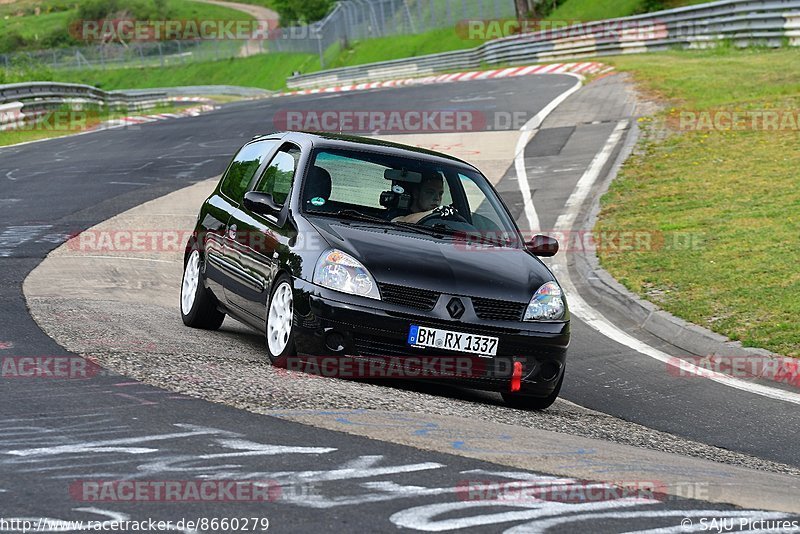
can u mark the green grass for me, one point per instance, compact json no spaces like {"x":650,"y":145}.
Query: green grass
{"x":397,"y":47}
{"x":68,"y":124}
{"x":450,"y":39}
{"x":718,"y":77}
{"x":263,"y":3}
{"x":267,"y":71}
{"x":735,"y":193}
{"x":50,"y":27}
{"x":20,"y":18}
{"x":270,"y":71}
{"x":186,"y":9}
{"x":588,"y":10}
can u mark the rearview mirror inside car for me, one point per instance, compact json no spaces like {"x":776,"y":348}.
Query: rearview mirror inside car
{"x":402,"y":175}
{"x":261,"y":203}
{"x":542,"y":245}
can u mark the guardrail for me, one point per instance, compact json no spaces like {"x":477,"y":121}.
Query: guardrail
{"x":739,"y":22}
{"x":21,"y":102}
{"x":197,"y":90}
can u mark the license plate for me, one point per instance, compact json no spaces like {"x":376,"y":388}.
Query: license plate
{"x":422,"y":336}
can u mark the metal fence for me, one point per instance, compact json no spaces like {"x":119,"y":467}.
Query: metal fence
{"x":115,"y":55}
{"x":742,"y":22}
{"x":738,"y":22}
{"x":350,"y":20}
{"x":355,"y":20}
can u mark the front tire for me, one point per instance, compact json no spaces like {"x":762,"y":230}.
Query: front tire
{"x":198,"y":306}
{"x":280,"y":322}
{"x":526,"y":402}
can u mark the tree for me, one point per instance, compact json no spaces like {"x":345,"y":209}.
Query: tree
{"x":536,"y":9}
{"x":523,"y":9}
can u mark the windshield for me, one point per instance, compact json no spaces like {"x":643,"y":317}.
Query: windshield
{"x":406,"y":192}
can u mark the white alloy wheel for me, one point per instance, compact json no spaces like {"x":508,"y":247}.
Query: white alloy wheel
{"x":191,"y":278}
{"x":279,"y":319}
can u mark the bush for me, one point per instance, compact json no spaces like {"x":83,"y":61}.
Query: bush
{"x":139,"y":9}
{"x":23,"y":69}
{"x":292,"y":11}
{"x":648,"y":6}
{"x":57,"y":38}
{"x":11,"y":41}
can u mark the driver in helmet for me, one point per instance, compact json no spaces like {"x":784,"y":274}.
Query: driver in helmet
{"x":427,"y":196}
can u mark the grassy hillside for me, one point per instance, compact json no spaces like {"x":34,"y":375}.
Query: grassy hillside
{"x":397,"y":47}
{"x":586,"y":10}
{"x":36,"y":24}
{"x":268,"y":71}
{"x":736,"y":192}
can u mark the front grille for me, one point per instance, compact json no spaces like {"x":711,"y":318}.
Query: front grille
{"x":431,"y":363}
{"x":421,"y":299}
{"x":498,"y":310}
{"x":369,"y":346}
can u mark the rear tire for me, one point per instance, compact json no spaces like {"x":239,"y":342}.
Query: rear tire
{"x":198,"y":306}
{"x":279,"y":328}
{"x":526,"y":402}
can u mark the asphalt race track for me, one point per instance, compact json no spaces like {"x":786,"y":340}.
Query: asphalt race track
{"x":54,"y":433}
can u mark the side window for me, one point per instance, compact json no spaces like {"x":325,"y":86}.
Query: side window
{"x":484,"y":216}
{"x":278,"y":176}
{"x":243,"y":168}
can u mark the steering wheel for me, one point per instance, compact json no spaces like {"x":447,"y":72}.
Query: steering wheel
{"x":444,"y":213}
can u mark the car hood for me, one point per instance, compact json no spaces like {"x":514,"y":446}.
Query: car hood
{"x":410,"y":259}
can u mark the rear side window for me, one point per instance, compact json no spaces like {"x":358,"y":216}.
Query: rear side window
{"x":278,"y":176}
{"x":244,"y":167}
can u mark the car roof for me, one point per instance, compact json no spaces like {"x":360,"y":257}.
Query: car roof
{"x":356,"y":142}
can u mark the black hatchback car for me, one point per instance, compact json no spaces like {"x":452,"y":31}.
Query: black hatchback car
{"x":363,"y":258}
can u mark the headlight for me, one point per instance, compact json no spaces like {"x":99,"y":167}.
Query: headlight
{"x":547,"y":304}
{"x":341,"y":272}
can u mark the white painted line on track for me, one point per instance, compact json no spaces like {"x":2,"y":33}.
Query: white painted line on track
{"x":583,"y":187}
{"x":527,"y":132}
{"x":595,"y":319}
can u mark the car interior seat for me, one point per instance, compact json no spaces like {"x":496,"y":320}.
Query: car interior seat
{"x":318,"y":186}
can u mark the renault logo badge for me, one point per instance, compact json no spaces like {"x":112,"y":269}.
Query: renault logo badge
{"x":455,"y":308}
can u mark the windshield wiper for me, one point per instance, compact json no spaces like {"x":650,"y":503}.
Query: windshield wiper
{"x":358,"y":216}
{"x":351,"y":215}
{"x":438,"y":230}
{"x":354,"y":215}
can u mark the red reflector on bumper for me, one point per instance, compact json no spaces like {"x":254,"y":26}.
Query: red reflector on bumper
{"x":516,"y":377}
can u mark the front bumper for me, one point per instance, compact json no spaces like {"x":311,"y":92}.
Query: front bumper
{"x":331,"y":324}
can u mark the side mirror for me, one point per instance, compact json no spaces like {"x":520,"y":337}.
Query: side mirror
{"x":542,"y":245}
{"x":261,"y":203}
